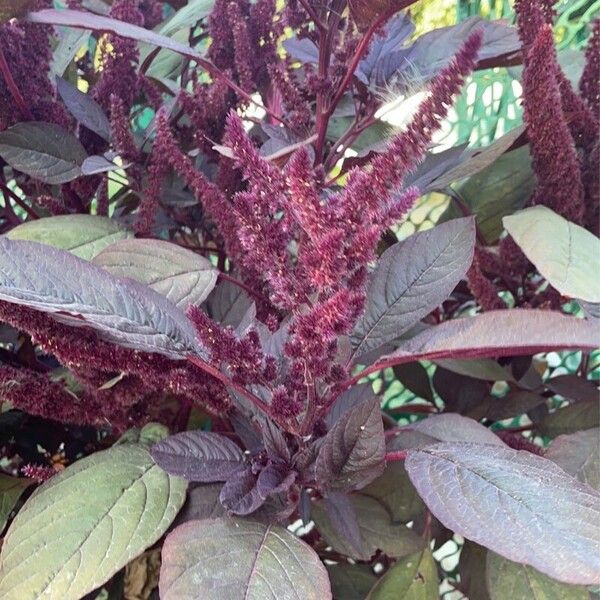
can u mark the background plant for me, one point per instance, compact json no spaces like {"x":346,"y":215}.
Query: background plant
{"x":201,"y":207}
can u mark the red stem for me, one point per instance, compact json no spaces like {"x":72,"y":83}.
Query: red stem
{"x":396,"y":455}
{"x":256,"y":401}
{"x":12,"y":86}
{"x":243,"y":286}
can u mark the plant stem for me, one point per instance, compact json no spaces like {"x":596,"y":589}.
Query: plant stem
{"x":12,"y":86}
{"x":396,"y":455}
{"x":243,"y":286}
{"x":226,"y":381}
{"x":18,"y":201}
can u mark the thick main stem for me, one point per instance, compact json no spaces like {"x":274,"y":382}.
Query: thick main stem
{"x":12,"y":87}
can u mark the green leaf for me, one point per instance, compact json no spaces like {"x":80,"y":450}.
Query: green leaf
{"x":472,"y":571}
{"x":496,"y":191}
{"x":181,"y":275}
{"x":86,"y":523}
{"x":572,"y":418}
{"x":229,"y":559}
{"x":377,"y":530}
{"x":11,"y":489}
{"x":412,"y":578}
{"x":187,"y":16}
{"x":567,"y":255}
{"x":82,"y":235}
{"x":350,"y":582}
{"x":45,"y":151}
{"x":507,"y":579}
{"x":396,"y":493}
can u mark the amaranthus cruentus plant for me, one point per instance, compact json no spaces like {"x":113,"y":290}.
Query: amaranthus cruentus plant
{"x":206,"y":298}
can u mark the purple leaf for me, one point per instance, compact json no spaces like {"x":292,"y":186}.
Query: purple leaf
{"x":302,"y":49}
{"x":351,"y":398}
{"x":455,"y":428}
{"x":202,"y":503}
{"x":434,"y":50}
{"x":579,"y":455}
{"x":517,"y":504}
{"x":95,"y":164}
{"x":274,"y":479}
{"x":344,"y":521}
{"x":240,"y":494}
{"x":574,"y":388}
{"x":275,"y":442}
{"x":200,"y":456}
{"x":387,"y":54}
{"x":353,"y":452}
{"x":460,"y":393}
{"x":44,"y":151}
{"x":412,"y":278}
{"x":499,"y":333}
{"x":220,"y":559}
{"x":376,"y":528}
{"x":84,"y":108}
{"x":121,"y":311}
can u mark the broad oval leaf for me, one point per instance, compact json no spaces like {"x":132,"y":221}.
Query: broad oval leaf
{"x":86,"y":523}
{"x":567,"y":255}
{"x":82,"y":235}
{"x":84,"y":108}
{"x":498,"y":333}
{"x":507,"y":579}
{"x":181,"y":275}
{"x":412,"y":278}
{"x":353,"y":451}
{"x":44,"y":151}
{"x":518,"y":504}
{"x":377,"y":531}
{"x":122,"y":311}
{"x":200,"y":456}
{"x":579,"y":455}
{"x":228,"y":559}
{"x":412,"y":578}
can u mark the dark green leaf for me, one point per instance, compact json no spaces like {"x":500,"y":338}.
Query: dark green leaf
{"x":496,"y":191}
{"x":377,"y":530}
{"x":396,"y":493}
{"x":412,"y":578}
{"x":570,"y":419}
{"x":471,"y":567}
{"x":414,"y":377}
{"x":350,"y":582}
{"x":507,"y":579}
{"x":11,"y":489}
{"x":44,"y":151}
